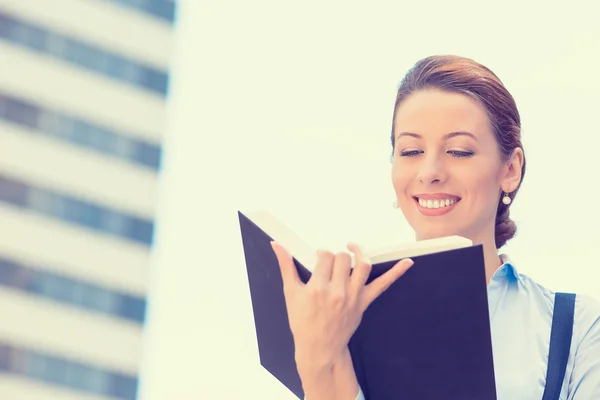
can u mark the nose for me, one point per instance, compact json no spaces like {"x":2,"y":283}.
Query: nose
{"x":431,"y":170}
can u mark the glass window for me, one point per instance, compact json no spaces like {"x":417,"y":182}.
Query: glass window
{"x":23,"y":279}
{"x":133,"y":308}
{"x":156,"y":80}
{"x":67,"y":129}
{"x":56,"y":45}
{"x":101,"y":139}
{"x":67,"y":373}
{"x":13,"y":192}
{"x":115,"y":66}
{"x":101,"y":300}
{"x":79,"y":132}
{"x":5,"y":25}
{"x":8,"y":272}
{"x":79,"y":53}
{"x":43,"y":202}
{"x":49,"y":122}
{"x":125,"y":148}
{"x":123,"y":387}
{"x":87,"y":379}
{"x":148,"y":155}
{"x":53,"y":286}
{"x":114,"y":223}
{"x":83,"y":213}
{"x":77,"y":293}
{"x":133,"y":73}
{"x":3,"y":104}
{"x":76,"y":211}
{"x":28,"y":35}
{"x":140,"y":230}
{"x":35,"y":366}
{"x":97,"y":382}
{"x":163,"y":9}
{"x":71,"y":291}
{"x":5,"y":352}
{"x":21,"y":113}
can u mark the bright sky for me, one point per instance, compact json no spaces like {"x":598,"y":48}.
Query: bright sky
{"x":287,"y":107}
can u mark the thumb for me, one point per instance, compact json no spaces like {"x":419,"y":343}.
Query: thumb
{"x":374,"y":289}
{"x":289,"y":273}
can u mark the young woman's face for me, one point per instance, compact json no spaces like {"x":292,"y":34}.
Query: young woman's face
{"x":447,"y":168}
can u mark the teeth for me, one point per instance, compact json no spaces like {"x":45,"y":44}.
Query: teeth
{"x":436,"y":203}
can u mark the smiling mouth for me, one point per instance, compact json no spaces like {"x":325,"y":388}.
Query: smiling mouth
{"x":436,"y":203}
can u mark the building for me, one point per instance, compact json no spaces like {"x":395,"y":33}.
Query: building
{"x":83,"y":85}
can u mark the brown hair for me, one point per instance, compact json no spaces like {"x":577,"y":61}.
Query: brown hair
{"x":463,"y":75}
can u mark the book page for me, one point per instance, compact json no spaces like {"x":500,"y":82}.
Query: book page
{"x":306,"y":254}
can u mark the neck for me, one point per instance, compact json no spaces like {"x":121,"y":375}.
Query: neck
{"x":490,"y":255}
{"x":492,"y":261}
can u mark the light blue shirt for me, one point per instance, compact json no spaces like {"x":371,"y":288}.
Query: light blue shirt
{"x":521,"y":320}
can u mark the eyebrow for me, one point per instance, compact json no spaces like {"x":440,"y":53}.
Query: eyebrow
{"x":446,"y":136}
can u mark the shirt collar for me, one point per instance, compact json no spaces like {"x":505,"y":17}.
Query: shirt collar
{"x":507,"y":270}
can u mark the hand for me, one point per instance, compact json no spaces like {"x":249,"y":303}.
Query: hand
{"x":325,"y":312}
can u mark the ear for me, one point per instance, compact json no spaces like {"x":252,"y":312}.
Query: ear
{"x":511,"y":172}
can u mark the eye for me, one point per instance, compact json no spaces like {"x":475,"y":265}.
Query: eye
{"x":410,"y":153}
{"x":460,"y":154}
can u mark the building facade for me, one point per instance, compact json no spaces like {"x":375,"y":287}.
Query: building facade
{"x":83,"y":88}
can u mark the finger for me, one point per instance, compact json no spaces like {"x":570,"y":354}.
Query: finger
{"x":341,"y":271}
{"x":362,"y":268}
{"x":289,"y":273}
{"x":322,"y":272}
{"x":379,"y":285}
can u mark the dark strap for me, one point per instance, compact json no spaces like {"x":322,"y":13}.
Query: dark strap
{"x":560,"y":344}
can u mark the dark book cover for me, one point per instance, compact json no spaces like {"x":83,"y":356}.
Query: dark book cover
{"x":426,"y":337}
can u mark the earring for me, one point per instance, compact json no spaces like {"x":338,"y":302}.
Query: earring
{"x":506,"y":200}
{"x":395,"y":204}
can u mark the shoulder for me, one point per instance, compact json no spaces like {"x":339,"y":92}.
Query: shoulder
{"x":586,"y":323}
{"x":587,"y":308}
{"x":587,"y":317}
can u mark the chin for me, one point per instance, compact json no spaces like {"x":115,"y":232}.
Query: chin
{"x":434,"y":233}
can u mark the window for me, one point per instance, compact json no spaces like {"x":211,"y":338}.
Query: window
{"x":5,"y":355}
{"x":75,"y":211}
{"x":148,"y":154}
{"x":44,"y":202}
{"x":82,"y":54}
{"x":140,"y":230}
{"x":163,"y":9}
{"x":70,"y":291}
{"x":132,"y":307}
{"x":78,"y":132}
{"x":8,"y":272}
{"x":123,"y":387}
{"x":21,"y":113}
{"x":13,"y":192}
{"x":67,"y":373}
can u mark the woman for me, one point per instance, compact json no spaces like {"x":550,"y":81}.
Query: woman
{"x":457,"y":165}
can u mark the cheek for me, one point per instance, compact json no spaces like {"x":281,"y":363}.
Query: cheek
{"x":400,"y":179}
{"x":485,"y":189}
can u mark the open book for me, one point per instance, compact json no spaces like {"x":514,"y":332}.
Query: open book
{"x":305,"y":254}
{"x":426,"y":337}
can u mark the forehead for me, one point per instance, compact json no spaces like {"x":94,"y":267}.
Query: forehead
{"x":436,"y":112}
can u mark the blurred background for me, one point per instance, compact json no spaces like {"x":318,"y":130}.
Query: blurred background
{"x":131,"y":132}
{"x":83,"y":85}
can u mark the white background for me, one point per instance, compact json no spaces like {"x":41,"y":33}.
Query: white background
{"x":287,"y":106}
